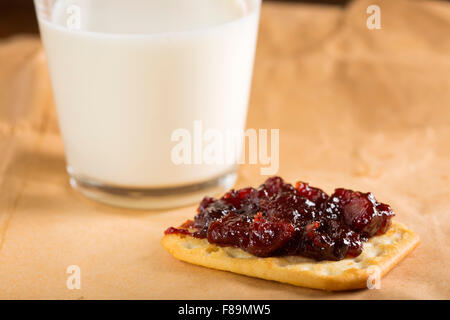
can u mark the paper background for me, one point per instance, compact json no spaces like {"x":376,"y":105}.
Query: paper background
{"x":363,"y":109}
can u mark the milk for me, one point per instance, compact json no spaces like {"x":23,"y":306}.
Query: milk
{"x":131,"y":72}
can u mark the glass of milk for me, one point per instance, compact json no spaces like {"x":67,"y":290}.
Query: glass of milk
{"x":129,"y":76}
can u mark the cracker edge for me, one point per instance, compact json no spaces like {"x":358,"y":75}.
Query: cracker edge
{"x":215,"y":257}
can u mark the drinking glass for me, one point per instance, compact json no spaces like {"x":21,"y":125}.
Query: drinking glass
{"x":138,"y":84}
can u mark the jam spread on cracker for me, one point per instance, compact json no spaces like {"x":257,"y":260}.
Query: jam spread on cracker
{"x":280,"y":219}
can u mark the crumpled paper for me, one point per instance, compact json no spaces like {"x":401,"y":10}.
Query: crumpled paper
{"x":358,"y":108}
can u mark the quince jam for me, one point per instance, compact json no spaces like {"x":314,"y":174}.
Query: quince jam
{"x":279,"y":219}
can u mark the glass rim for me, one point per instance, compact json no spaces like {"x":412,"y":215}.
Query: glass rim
{"x":38,"y":6}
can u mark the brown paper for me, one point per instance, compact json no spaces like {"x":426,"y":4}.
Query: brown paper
{"x":359,"y":108}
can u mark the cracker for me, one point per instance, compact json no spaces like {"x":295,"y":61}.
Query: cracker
{"x":383,"y":251}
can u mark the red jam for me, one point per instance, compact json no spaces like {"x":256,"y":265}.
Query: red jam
{"x":279,"y":219}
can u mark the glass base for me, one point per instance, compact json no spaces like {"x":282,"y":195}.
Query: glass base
{"x":152,"y":198}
